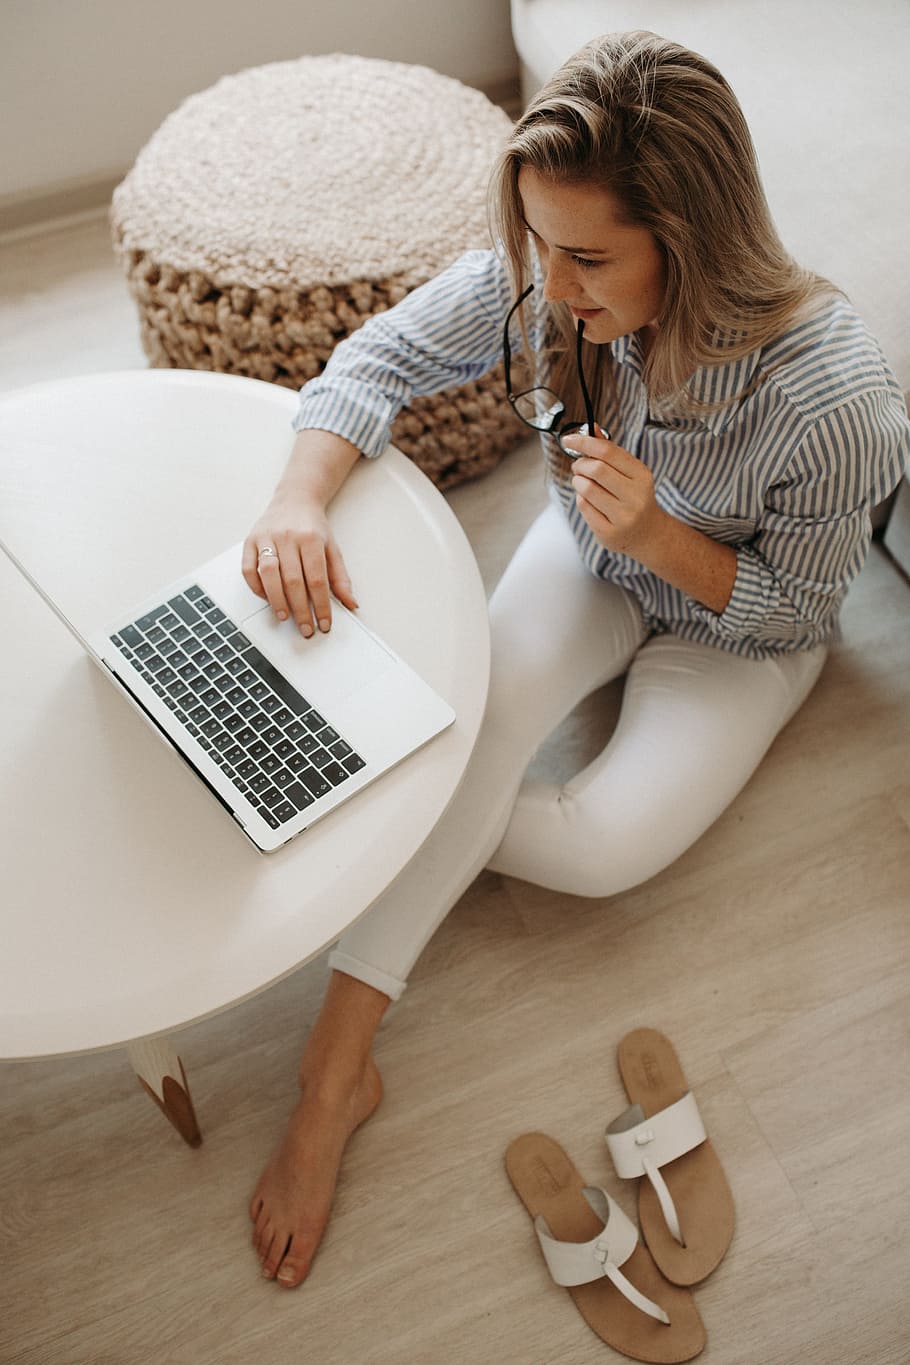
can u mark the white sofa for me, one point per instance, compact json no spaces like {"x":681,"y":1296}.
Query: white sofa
{"x":825,"y":90}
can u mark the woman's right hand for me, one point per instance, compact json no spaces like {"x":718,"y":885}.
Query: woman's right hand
{"x":290,"y":557}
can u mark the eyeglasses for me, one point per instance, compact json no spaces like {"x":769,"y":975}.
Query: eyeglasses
{"x":541,"y":408}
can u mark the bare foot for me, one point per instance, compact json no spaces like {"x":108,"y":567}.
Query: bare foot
{"x":290,"y":1208}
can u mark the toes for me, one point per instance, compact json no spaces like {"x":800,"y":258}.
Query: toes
{"x":293,"y":1268}
{"x":263,"y":1236}
{"x":274,"y":1256}
{"x":256,"y":1206}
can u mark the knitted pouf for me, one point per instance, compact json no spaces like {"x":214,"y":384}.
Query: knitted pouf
{"x":273,"y":213}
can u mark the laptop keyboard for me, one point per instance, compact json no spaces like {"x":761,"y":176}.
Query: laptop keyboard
{"x":276,"y":748}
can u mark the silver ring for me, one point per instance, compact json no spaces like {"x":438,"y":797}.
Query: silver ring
{"x":267,"y":550}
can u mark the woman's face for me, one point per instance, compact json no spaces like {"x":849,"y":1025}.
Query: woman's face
{"x":608,"y":272}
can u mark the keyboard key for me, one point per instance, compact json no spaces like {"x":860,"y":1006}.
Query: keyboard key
{"x":283,"y":749}
{"x":314,"y":782}
{"x":272,"y":734}
{"x":131,"y":636}
{"x":146,"y":622}
{"x":168,"y":621}
{"x":335,"y":774}
{"x":282,"y":778}
{"x":282,"y":717}
{"x":340,"y":749}
{"x":156,"y":635}
{"x":284,"y":812}
{"x":270,"y":797}
{"x":269,"y":763}
{"x":205,"y":604}
{"x":298,"y":795}
{"x":193,"y":593}
{"x":277,"y":682}
{"x":233,"y":723}
{"x":321,"y":758}
{"x":353,"y":763}
{"x":235,"y":695}
{"x":258,"y":750}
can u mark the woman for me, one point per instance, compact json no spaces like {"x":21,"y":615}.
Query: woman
{"x":700,"y":539}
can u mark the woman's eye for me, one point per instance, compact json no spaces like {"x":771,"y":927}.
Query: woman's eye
{"x":585,"y":262}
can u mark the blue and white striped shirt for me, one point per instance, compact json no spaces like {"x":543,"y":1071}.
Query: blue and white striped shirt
{"x":787,"y":474}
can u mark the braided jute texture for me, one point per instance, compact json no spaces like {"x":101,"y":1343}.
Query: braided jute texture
{"x":272,"y":214}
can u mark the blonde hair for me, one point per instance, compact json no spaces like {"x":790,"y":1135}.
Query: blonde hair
{"x":659,"y":128}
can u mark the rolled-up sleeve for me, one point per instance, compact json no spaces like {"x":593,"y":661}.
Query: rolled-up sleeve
{"x":445,"y":333}
{"x":813,"y":535}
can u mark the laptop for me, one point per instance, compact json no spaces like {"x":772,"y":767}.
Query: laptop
{"x":281,"y":729}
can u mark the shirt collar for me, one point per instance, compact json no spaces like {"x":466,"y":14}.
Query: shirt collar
{"x":719,"y":383}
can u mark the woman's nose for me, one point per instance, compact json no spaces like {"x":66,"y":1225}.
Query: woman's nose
{"x":558,"y":282}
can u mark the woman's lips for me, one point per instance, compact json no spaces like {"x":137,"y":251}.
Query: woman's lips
{"x":586,"y":314}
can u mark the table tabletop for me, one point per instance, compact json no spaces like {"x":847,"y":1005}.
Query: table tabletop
{"x":132,"y":903}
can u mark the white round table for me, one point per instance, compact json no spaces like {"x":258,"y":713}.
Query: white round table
{"x":132,"y":904}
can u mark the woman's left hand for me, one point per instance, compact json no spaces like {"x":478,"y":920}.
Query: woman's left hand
{"x":615,"y":495}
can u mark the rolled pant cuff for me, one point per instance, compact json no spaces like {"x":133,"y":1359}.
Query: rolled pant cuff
{"x":364,"y":971}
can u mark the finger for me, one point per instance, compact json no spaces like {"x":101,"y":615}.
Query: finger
{"x":268,"y":566}
{"x":339,"y":578}
{"x":316,"y":573}
{"x":293,"y":582}
{"x":598,"y":520}
{"x":597,"y":479}
{"x":248,"y":567}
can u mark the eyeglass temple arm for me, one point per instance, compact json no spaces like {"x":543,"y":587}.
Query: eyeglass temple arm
{"x":506,"y":348}
{"x":589,"y":407}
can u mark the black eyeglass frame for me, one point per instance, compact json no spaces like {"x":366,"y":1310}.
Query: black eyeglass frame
{"x":557,"y":409}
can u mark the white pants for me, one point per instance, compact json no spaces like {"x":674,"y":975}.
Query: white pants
{"x":695,"y":722}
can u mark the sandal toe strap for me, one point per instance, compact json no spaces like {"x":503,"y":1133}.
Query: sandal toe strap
{"x":640,"y":1146}
{"x":574,"y":1263}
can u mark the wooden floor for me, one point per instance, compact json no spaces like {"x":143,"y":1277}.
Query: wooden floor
{"x":776,"y":953}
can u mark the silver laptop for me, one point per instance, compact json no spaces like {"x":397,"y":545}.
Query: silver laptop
{"x":280,"y":729}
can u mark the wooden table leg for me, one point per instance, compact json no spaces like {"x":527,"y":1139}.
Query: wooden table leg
{"x":161,"y":1075}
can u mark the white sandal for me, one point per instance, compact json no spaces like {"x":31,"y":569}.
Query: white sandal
{"x":685,"y":1206}
{"x":593,"y":1250}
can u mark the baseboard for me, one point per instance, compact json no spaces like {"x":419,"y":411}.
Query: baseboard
{"x":29,"y":209}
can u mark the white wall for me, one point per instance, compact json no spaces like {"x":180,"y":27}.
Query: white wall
{"x":86,"y":82}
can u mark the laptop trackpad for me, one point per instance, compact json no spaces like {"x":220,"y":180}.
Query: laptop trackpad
{"x":325,"y":667}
